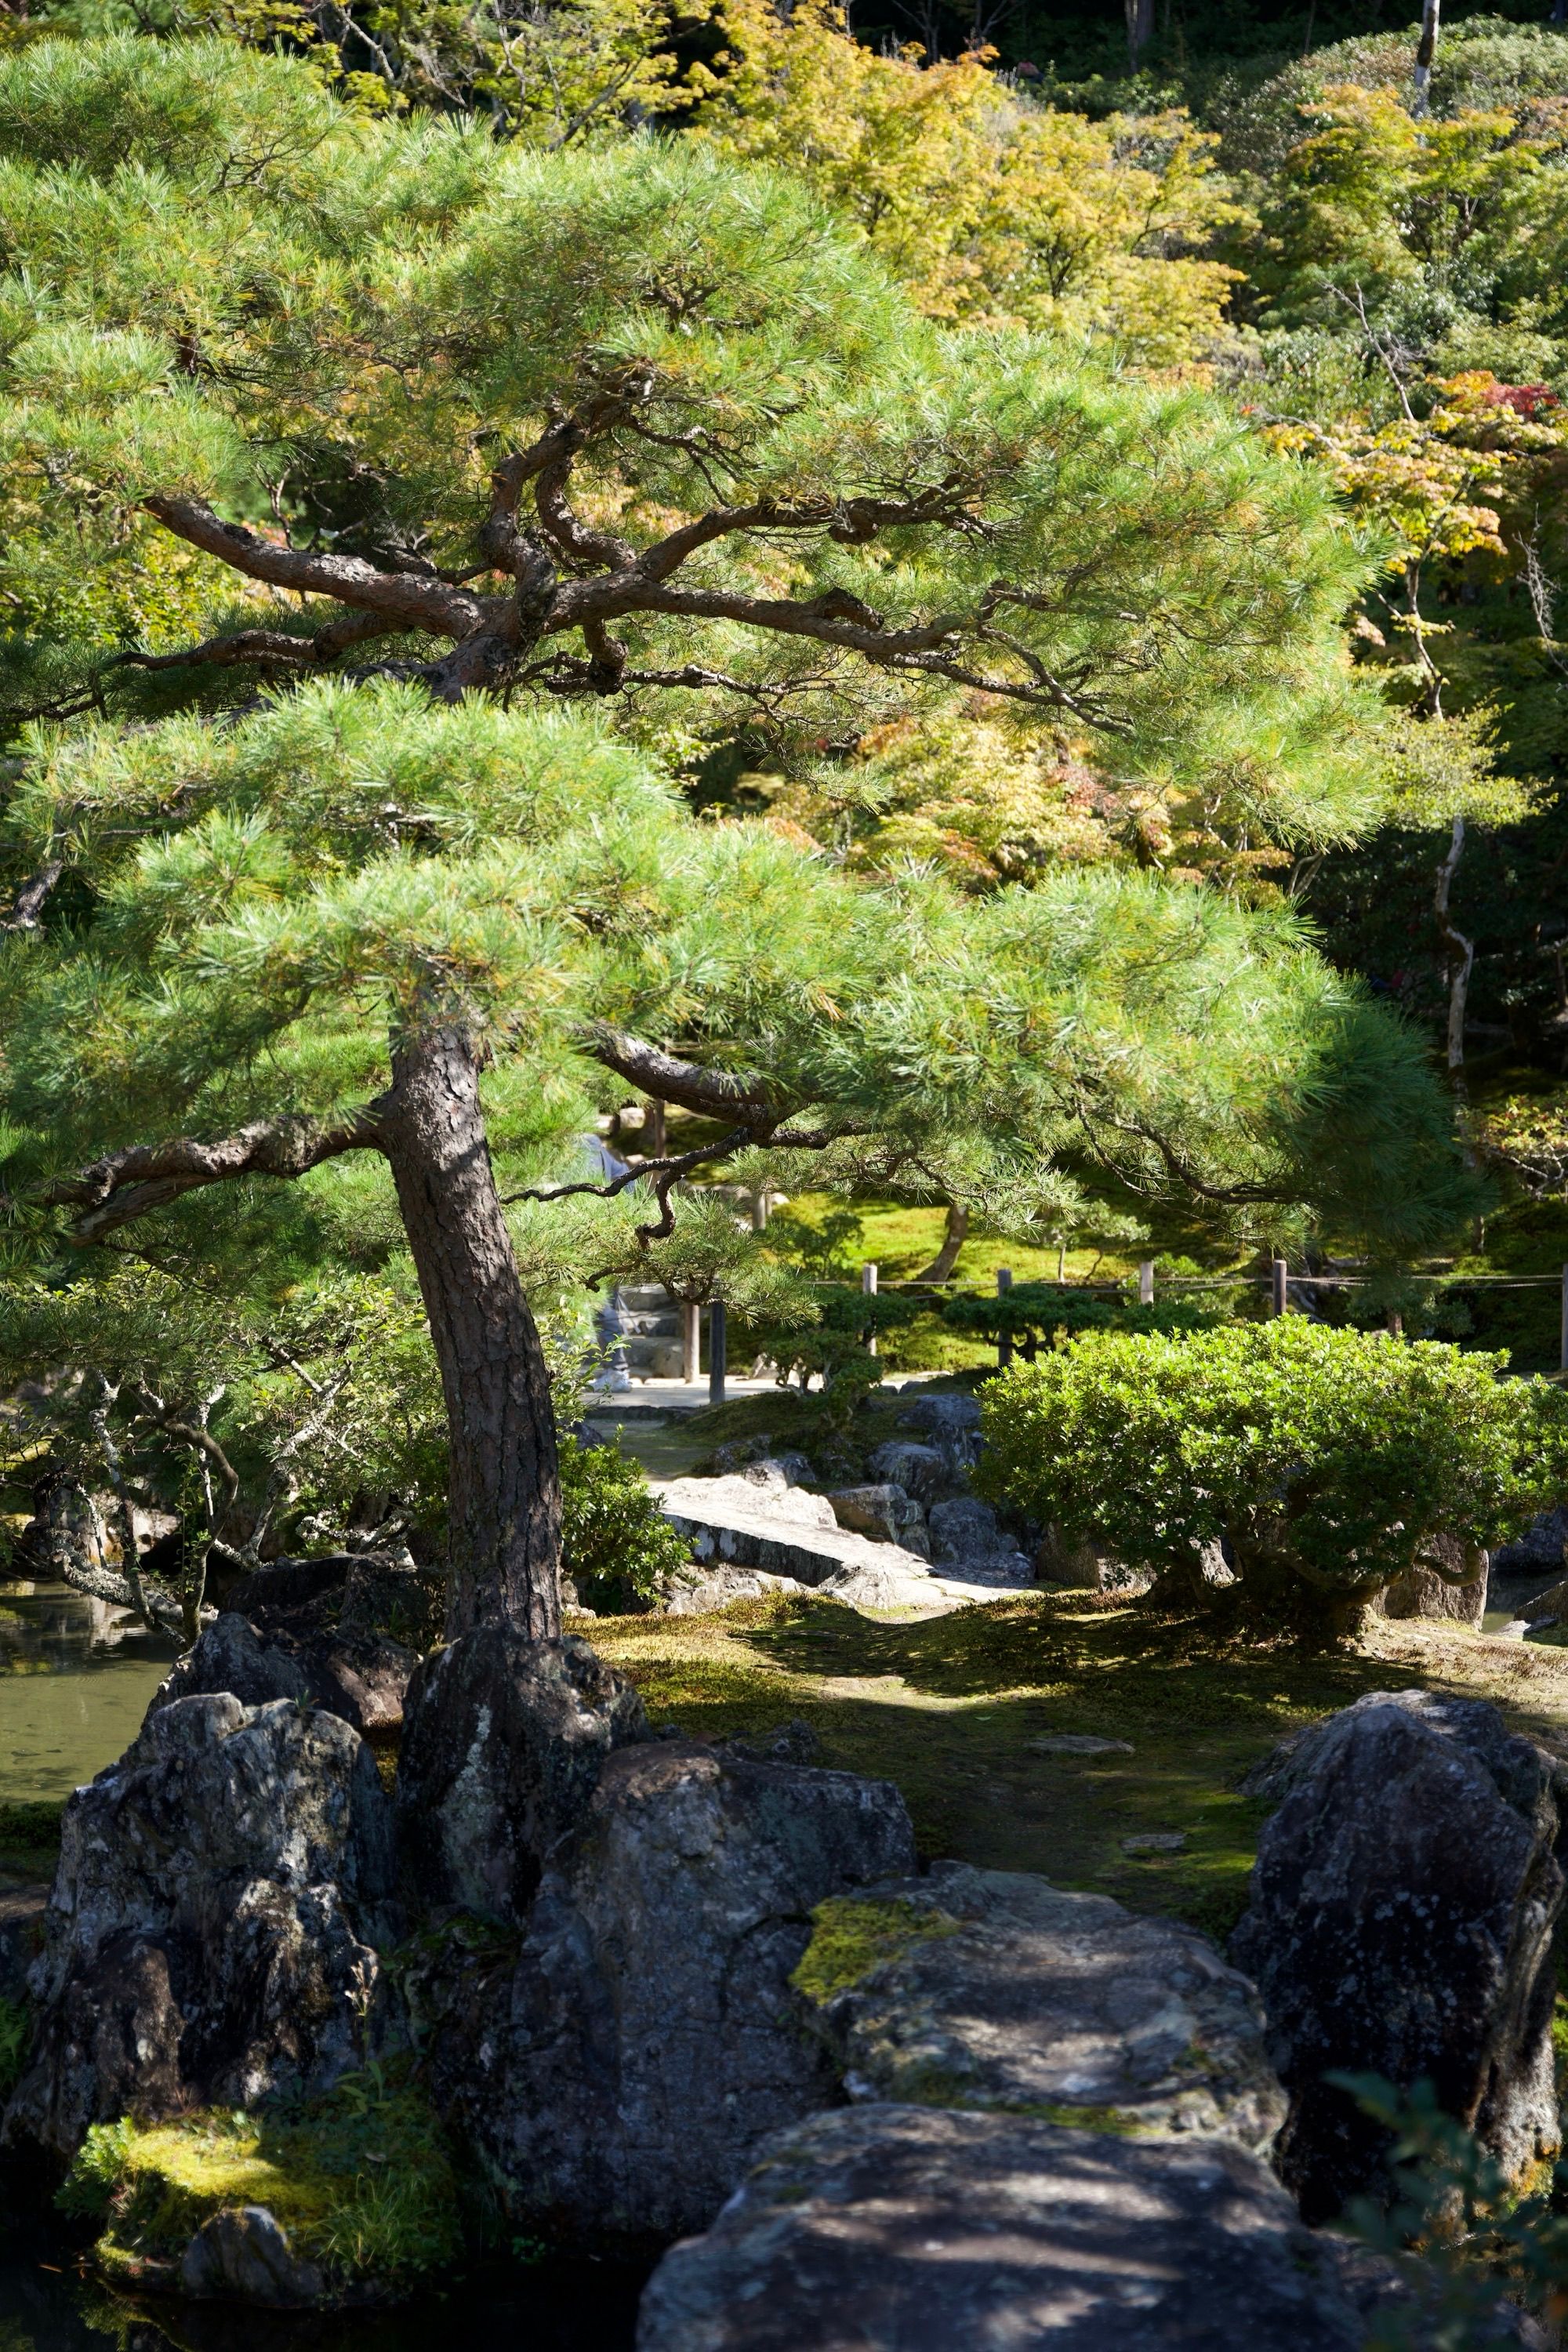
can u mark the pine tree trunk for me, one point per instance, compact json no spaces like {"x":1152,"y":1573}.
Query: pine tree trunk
{"x":503,"y":1490}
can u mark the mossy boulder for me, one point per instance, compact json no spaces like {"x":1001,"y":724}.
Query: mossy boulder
{"x":992,"y":1990}
{"x":348,"y":2198}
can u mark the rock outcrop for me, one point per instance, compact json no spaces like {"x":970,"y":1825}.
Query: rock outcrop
{"x":342,"y":1632}
{"x":906,"y":2228}
{"x":213,"y":1932}
{"x":505,"y":1743}
{"x":618,"y":2076}
{"x":998,"y":1991}
{"x":1403,"y":1902}
{"x":884,"y":1511}
{"x":966,"y":1540}
{"x":1459,"y":1594}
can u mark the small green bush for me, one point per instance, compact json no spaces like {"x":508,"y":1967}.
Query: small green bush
{"x":1483,"y":2238}
{"x":1328,"y":1463}
{"x":616,"y":1544}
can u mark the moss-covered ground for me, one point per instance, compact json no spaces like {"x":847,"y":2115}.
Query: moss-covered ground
{"x":953,"y":1709}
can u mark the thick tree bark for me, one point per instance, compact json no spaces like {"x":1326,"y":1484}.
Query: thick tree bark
{"x":504,"y":1495}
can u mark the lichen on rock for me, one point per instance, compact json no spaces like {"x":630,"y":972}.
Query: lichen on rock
{"x":851,"y":1935}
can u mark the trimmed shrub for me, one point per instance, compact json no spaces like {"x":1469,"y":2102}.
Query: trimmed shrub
{"x":1321,"y":1464}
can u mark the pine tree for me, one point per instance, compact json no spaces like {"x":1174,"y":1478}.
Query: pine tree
{"x":479,"y":433}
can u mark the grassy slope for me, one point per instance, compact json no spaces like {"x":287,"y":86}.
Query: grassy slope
{"x":948,"y":1707}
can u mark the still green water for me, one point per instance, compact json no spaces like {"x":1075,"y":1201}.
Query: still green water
{"x":579,"y":2307}
{"x":75,"y":1679}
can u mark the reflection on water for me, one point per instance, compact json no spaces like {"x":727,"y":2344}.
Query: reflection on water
{"x":581,"y":2307}
{"x":75,"y":1679}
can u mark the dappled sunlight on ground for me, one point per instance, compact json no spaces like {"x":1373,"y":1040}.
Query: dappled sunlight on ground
{"x":952,"y":1708}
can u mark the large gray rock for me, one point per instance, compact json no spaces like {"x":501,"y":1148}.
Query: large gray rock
{"x":922,"y":1471}
{"x":895,"y":1581}
{"x":1459,"y":1592}
{"x":210,"y":1935}
{"x":1537,"y":1555}
{"x":1403,"y":1902}
{"x":342,"y":1630}
{"x":1007,"y":1993}
{"x":616,"y":2080}
{"x":694,"y":1589}
{"x":905,"y":2228}
{"x":950,"y":1424}
{"x":506,"y":1739}
{"x":243,"y":2255}
{"x":966,"y":1537}
{"x":885,"y":1513}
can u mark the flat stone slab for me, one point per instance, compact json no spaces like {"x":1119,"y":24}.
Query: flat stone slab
{"x":765,"y":1523}
{"x":1005,"y":1992}
{"x":905,"y":2228}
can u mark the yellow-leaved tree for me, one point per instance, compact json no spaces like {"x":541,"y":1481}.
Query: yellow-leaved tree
{"x":993,"y":208}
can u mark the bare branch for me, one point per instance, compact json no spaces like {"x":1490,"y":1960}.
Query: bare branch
{"x":125,"y":1185}
{"x":269,"y":646}
{"x":671,"y":1167}
{"x":712,"y":1094}
{"x":409,"y":600}
{"x":27,"y":905}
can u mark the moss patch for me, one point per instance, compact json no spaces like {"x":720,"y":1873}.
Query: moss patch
{"x":30,"y":1839}
{"x":951,"y":1709}
{"x":849,"y":1938}
{"x":360,"y":2179}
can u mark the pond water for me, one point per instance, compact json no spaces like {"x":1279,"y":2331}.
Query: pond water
{"x":75,"y":1679}
{"x":45,"y":2307}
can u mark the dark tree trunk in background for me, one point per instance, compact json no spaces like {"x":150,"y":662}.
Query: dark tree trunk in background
{"x":1139,"y":28}
{"x":504,"y":1494}
{"x":1426,"y":51}
{"x":946,"y":1258}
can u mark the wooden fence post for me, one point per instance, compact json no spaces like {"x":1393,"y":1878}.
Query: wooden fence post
{"x":717,"y":1351}
{"x":1280,"y":1295}
{"x":868,"y":1284}
{"x":691,"y":1344}
{"x":1146,"y":1283}
{"x":1004,"y":1284}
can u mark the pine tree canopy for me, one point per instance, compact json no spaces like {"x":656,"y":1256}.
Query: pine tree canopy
{"x":275,"y":901}
{"x":292,"y":387}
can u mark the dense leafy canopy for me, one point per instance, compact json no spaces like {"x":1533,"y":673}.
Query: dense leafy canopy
{"x":274,"y":897}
